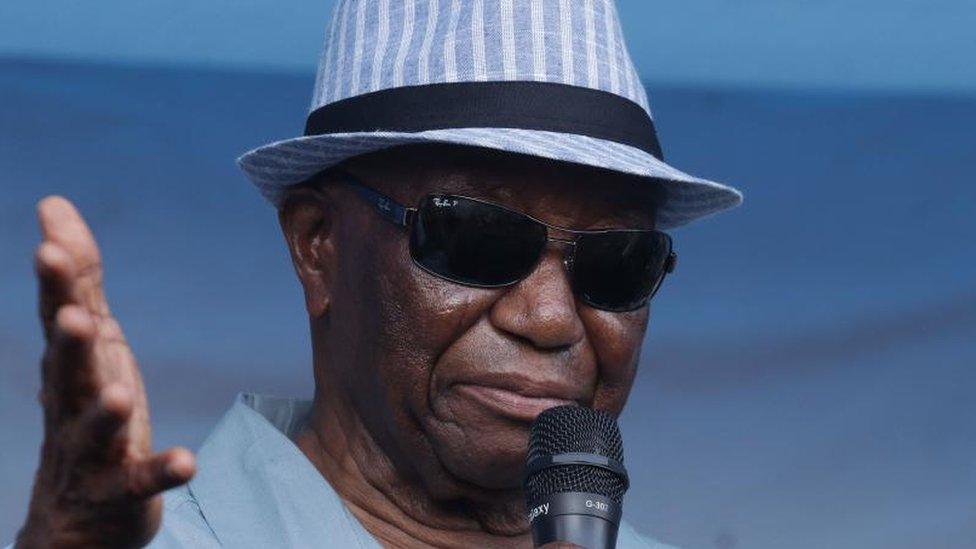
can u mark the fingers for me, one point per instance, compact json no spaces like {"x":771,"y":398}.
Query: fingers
{"x":61,"y":224}
{"x":67,"y":369}
{"x":165,"y":470}
{"x":55,"y":272}
{"x":108,"y":418}
{"x":95,"y":409}
{"x":70,"y":303}
{"x":105,"y":437}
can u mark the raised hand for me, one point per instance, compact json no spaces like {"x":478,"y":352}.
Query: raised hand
{"x":98,"y":482}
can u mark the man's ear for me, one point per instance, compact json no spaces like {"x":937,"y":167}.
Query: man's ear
{"x":307,"y":220}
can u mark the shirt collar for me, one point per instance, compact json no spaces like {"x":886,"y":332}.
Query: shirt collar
{"x":256,"y":488}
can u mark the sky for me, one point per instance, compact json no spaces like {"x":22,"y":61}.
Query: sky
{"x":905,"y":45}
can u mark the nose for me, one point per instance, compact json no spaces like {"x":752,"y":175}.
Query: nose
{"x":541,"y":308}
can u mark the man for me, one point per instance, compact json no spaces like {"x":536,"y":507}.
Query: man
{"x":474,"y":214}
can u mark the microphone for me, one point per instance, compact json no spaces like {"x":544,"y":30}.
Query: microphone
{"x":575,"y":478}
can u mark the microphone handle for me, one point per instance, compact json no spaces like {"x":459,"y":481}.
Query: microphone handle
{"x":585,"y":519}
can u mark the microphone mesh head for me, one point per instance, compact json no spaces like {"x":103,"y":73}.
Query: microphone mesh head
{"x":566,"y":429}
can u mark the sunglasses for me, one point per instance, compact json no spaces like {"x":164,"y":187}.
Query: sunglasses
{"x":478,"y":243}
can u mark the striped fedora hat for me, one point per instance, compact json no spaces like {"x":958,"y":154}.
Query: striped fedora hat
{"x":548,"y":78}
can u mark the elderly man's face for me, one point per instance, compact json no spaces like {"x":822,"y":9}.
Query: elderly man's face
{"x":447,"y":378}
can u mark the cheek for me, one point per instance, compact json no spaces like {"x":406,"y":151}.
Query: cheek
{"x":421,"y":316}
{"x":616,"y":339}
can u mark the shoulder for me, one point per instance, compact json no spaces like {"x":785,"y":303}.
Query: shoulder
{"x":629,"y":538}
{"x":183,"y":523}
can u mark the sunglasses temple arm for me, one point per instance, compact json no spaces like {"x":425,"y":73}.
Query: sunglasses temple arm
{"x":386,"y":206}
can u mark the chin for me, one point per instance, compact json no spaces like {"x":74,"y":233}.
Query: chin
{"x":487,"y":456}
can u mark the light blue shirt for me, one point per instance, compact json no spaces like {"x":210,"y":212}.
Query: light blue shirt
{"x":255,"y":488}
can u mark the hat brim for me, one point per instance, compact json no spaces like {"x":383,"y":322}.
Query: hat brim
{"x":276,"y":166}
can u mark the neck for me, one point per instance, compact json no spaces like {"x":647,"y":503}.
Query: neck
{"x":395,"y":510}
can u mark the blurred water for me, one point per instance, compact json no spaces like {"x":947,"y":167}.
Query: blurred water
{"x":807,"y":376}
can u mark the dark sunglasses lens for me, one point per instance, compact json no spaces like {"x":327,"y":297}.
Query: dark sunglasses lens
{"x":619,"y":271}
{"x":475,"y":243}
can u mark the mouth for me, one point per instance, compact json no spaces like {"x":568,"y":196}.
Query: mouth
{"x":509,"y":403}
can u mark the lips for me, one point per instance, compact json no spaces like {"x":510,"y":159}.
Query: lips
{"x":518,"y":398}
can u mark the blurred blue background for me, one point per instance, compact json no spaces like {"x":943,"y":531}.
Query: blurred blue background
{"x":808,"y":376}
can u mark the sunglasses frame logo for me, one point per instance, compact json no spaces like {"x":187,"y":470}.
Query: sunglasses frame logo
{"x":445,"y":202}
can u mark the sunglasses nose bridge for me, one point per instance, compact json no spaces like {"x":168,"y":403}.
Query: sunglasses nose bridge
{"x":569,"y":251}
